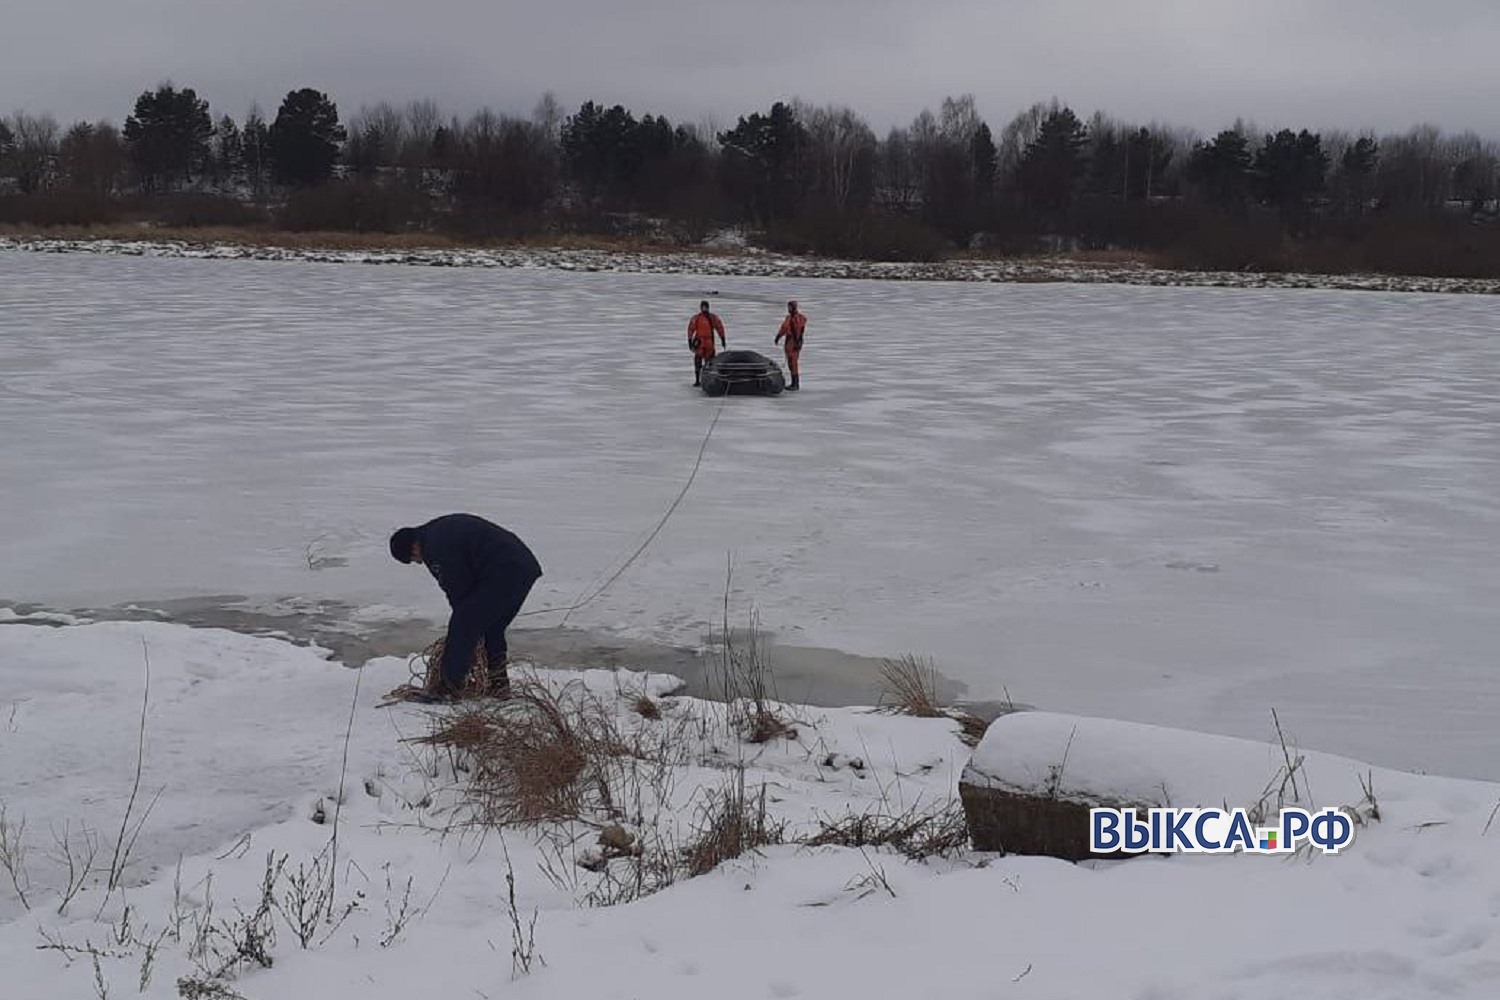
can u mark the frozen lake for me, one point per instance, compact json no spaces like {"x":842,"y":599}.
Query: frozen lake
{"x":1177,"y":506}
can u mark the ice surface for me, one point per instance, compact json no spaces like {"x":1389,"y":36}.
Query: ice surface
{"x":1170,"y":506}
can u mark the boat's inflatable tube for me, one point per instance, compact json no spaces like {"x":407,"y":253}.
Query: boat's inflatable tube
{"x":742,"y":373}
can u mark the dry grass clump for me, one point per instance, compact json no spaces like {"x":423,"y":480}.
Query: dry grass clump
{"x":763,"y":726}
{"x":533,"y":757}
{"x":911,"y":685}
{"x":911,"y":688}
{"x":574,"y":760}
{"x":730,"y":824}
{"x":918,"y":834}
{"x":476,"y":683}
{"x":746,"y":684}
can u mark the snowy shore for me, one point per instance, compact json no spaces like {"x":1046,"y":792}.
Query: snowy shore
{"x":756,"y":264}
{"x":247,"y":743}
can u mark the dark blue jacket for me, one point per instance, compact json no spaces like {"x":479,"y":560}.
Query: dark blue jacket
{"x":465,"y":552}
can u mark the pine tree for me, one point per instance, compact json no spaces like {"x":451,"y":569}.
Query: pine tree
{"x":1053,"y":164}
{"x":764,"y":155}
{"x":1222,"y":168}
{"x":229,"y":151}
{"x":1290,"y":168}
{"x":168,"y":137}
{"x":985,"y":158}
{"x":255,"y":150}
{"x":305,"y":138}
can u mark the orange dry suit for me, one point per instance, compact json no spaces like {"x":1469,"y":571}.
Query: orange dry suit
{"x":792,"y":329}
{"x":701,"y":330}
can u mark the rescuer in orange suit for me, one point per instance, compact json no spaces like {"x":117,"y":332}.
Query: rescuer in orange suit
{"x":701,"y":330}
{"x":791,"y":329}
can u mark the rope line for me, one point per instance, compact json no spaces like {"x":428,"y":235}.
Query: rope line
{"x":422,"y":666}
{"x":660,"y":524}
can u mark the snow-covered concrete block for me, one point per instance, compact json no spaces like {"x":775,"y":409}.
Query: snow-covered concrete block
{"x":1034,"y":776}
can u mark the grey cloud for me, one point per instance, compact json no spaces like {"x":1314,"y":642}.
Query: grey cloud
{"x":1195,"y":63}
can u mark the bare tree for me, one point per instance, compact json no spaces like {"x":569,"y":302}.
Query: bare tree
{"x":950,"y":164}
{"x":423,"y":121}
{"x":34,"y":150}
{"x":1472,"y":170}
{"x":92,"y":157}
{"x":548,"y":116}
{"x":1022,"y":132}
{"x":1412,"y":172}
{"x":376,"y":136}
{"x":842,"y":149}
{"x":959,"y":120}
{"x":505,"y":170}
{"x":255,"y":149}
{"x":898,"y":178}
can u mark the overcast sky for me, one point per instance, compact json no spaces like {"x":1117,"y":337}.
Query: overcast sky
{"x":1352,"y":64}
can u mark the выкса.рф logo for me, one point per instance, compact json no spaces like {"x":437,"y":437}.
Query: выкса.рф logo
{"x":1215,"y":831}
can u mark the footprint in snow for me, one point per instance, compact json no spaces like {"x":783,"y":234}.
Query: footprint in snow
{"x":1431,"y":924}
{"x":1445,"y":868}
{"x":1470,"y":937}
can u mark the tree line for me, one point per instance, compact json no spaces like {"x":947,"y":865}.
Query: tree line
{"x":803,"y":178}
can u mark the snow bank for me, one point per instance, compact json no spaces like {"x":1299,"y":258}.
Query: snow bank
{"x":726,"y":255}
{"x":1106,"y":761}
{"x":239,"y":731}
{"x":249,"y":735}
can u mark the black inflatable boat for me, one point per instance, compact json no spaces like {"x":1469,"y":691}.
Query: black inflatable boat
{"x":742,"y":373}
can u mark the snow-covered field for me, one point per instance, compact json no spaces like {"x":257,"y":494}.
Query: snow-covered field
{"x":244,"y":744}
{"x":1175,"y":506}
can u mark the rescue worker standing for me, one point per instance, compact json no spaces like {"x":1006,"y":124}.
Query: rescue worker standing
{"x":790,"y":338}
{"x":701,"y":330}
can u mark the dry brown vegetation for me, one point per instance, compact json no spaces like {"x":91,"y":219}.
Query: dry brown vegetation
{"x":533,"y":757}
{"x":916,"y":833}
{"x":911,"y":688}
{"x":730,"y":825}
{"x":570,"y":761}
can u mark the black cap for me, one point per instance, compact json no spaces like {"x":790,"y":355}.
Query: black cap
{"x":401,"y":542}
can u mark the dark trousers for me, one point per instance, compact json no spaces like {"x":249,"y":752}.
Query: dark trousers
{"x":486,"y":614}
